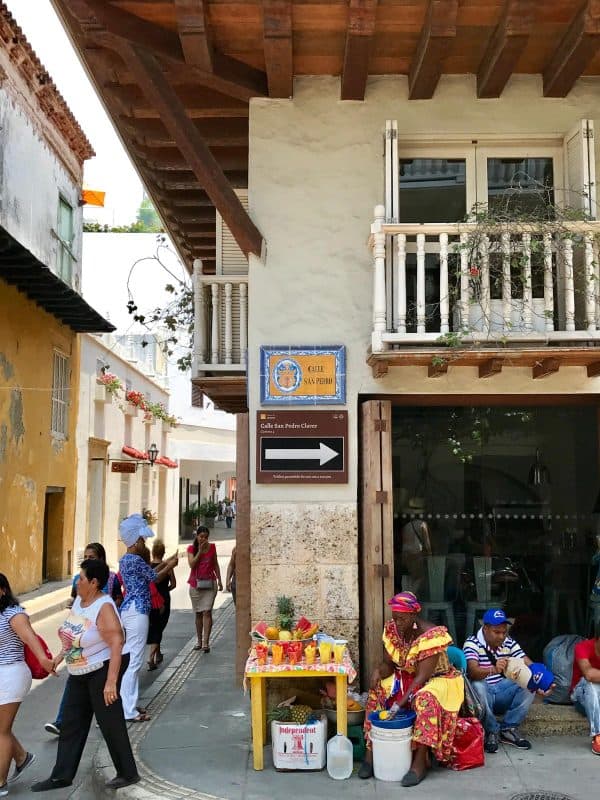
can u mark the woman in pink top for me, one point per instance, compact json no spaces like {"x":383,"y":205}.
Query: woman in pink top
{"x":204,"y":580}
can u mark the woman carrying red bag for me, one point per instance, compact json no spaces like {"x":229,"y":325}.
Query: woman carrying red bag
{"x":15,"y":680}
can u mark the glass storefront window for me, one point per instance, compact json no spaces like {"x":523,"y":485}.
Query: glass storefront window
{"x":498,"y":507}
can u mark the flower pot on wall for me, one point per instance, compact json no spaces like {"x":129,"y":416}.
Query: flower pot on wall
{"x":130,"y":411}
{"x":101,"y":394}
{"x":148,"y":420}
{"x":166,"y":428}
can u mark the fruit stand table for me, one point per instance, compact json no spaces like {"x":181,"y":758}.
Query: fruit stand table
{"x":257,"y":675}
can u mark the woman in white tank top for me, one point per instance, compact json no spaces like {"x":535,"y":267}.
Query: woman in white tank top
{"x":92,"y":639}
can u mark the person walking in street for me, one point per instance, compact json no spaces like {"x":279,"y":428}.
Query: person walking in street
{"x":92,"y":639}
{"x":15,"y":680}
{"x":230,"y":582}
{"x":112,"y":588}
{"x":159,"y":617}
{"x":487,"y":653}
{"x":228,"y":515}
{"x":585,"y":686}
{"x":204,"y":581}
{"x":136,"y":577}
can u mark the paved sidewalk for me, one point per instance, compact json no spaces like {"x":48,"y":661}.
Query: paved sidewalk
{"x":198,"y":746}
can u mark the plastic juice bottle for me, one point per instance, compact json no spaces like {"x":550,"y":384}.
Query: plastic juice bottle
{"x":340,"y":757}
{"x":277,"y":650}
{"x":325,"y":652}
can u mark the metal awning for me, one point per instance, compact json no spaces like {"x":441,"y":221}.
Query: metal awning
{"x":20,"y":268}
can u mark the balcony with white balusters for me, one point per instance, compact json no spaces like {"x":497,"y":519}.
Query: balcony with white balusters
{"x":463,"y":294}
{"x":219,"y":355}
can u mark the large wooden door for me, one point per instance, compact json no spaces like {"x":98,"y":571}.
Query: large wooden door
{"x":377,"y":533}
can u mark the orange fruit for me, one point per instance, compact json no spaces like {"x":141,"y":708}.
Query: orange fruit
{"x":272,"y":632}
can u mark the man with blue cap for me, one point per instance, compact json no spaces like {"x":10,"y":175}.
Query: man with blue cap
{"x":487,"y":655}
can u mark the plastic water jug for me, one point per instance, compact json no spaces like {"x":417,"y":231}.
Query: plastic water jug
{"x":340,"y":758}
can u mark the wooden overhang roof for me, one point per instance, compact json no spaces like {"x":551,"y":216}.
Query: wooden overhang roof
{"x":177,"y":75}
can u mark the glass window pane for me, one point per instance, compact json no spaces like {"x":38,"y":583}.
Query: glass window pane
{"x":432,"y":190}
{"x":520,"y":185}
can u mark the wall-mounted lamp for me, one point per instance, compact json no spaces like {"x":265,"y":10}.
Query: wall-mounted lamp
{"x":152,"y":454}
{"x":539,"y":474}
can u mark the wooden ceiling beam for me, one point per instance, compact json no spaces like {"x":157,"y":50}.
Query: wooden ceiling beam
{"x":578,"y":46}
{"x":194,"y":33}
{"x":152,"y":134}
{"x":437,"y":36}
{"x":176,"y":182}
{"x":193,"y":147}
{"x":505,"y":47}
{"x":278,"y":47}
{"x":229,"y":76}
{"x":230,"y":159}
{"x":492,"y":366}
{"x":198,"y":105}
{"x":199,"y":216}
{"x":359,"y":40}
{"x":545,"y":367}
{"x":185,"y":199}
{"x":593,"y":369}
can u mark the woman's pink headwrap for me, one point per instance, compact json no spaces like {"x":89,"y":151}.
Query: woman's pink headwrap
{"x":405,"y":603}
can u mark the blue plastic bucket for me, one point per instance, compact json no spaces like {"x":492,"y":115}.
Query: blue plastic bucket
{"x":403,"y":719}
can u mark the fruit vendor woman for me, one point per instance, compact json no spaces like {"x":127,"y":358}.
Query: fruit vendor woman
{"x":416,"y":674}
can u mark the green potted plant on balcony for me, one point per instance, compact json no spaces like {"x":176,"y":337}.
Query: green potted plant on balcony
{"x":191,"y":520}
{"x":207,"y":511}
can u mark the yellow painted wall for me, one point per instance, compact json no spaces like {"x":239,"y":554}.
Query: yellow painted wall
{"x":31,"y":458}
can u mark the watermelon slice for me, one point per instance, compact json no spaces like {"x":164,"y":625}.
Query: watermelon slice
{"x":260,"y":628}
{"x":303,"y":624}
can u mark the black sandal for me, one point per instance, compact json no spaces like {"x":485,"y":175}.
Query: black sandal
{"x":206,"y":649}
{"x":365,"y":770}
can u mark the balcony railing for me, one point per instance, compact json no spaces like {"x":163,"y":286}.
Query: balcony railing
{"x":220,"y":324}
{"x":460,"y":282}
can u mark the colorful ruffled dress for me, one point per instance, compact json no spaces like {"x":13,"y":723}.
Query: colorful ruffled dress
{"x":436,"y":703}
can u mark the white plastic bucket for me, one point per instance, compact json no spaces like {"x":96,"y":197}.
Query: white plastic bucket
{"x":392,"y":753}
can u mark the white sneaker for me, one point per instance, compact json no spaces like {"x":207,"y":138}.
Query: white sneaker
{"x":3,"y":790}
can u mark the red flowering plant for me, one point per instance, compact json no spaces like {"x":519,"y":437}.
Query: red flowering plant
{"x":136,"y":399}
{"x":110,"y":382}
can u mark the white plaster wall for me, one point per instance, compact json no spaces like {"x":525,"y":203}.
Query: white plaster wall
{"x":316,"y":172}
{"x":107,"y":421}
{"x":31,"y":179}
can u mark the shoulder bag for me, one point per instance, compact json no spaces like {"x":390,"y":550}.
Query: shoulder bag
{"x":37,"y":671}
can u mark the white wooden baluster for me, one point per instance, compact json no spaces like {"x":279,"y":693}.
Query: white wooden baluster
{"x":486,"y":307}
{"x":590,"y":289}
{"x":401,"y":283}
{"x":214,"y":343}
{"x":420,"y":283}
{"x":199,"y":317}
{"x":569,"y":286}
{"x":506,"y":284}
{"x":378,"y":280}
{"x":444,"y":299}
{"x":548,"y":283}
{"x":243,"y":324}
{"x":527,"y":286}
{"x":228,"y":324}
{"x":597,"y":280}
{"x":464,"y":283}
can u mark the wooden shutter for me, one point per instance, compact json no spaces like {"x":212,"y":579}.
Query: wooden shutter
{"x":230,"y":259}
{"x":377,"y":534}
{"x":580,"y":168}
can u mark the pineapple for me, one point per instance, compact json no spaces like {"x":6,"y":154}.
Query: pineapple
{"x":301,"y":714}
{"x":282,"y":713}
{"x":285,"y":613}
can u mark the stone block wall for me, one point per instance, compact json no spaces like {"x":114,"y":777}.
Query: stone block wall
{"x":309,"y":552}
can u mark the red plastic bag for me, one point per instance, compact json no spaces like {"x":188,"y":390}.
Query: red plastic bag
{"x":468,"y":745}
{"x":157,"y":601}
{"x":37,"y":671}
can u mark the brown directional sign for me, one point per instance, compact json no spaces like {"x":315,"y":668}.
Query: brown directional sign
{"x":302,"y":446}
{"x":123,"y":466}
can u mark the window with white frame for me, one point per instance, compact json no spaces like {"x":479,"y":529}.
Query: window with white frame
{"x":65,"y":234}
{"x":60,"y":394}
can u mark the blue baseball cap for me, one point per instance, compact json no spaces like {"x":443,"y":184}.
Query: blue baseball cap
{"x":541,"y":678}
{"x":495,"y":616}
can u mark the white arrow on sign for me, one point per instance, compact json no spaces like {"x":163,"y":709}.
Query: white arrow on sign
{"x":323,"y":454}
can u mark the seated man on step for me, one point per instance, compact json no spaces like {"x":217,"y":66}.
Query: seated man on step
{"x":487,"y":654}
{"x":585,"y":686}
